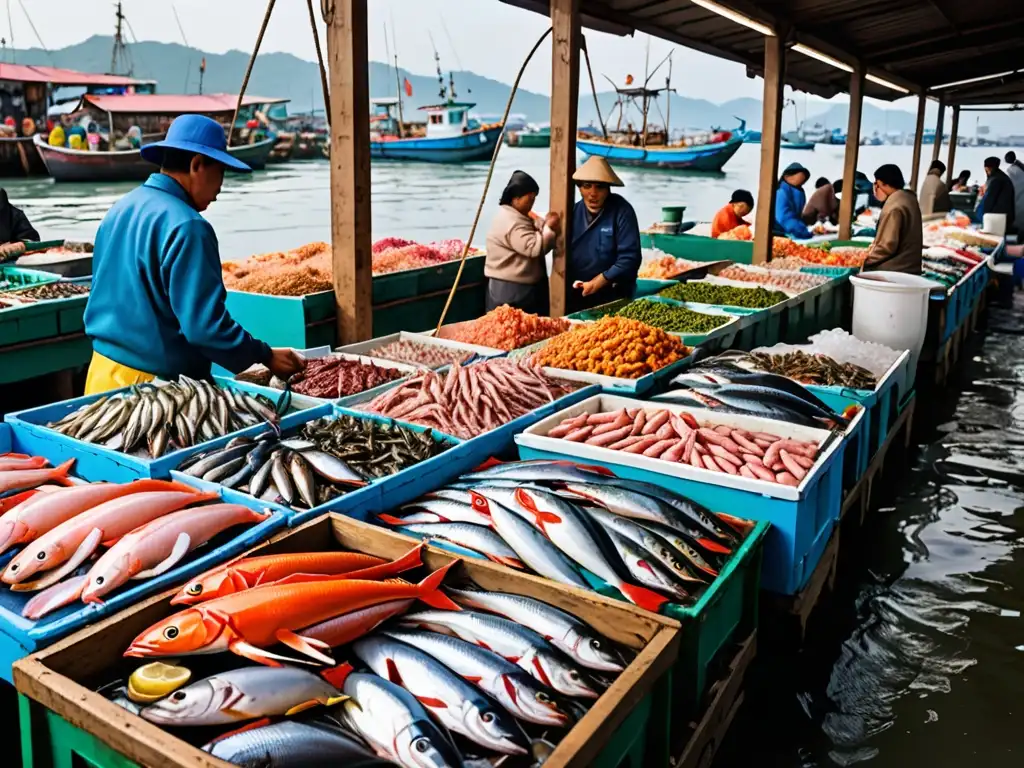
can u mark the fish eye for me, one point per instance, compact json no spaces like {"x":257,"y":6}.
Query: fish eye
{"x":543,"y":698}
{"x":99,"y":579}
{"x":595,"y":644}
{"x":574,"y":675}
{"x":178,"y":695}
{"x":487,"y":717}
{"x":421,"y":745}
{"x":195,"y":589}
{"x":41,"y":556}
{"x":171,"y":632}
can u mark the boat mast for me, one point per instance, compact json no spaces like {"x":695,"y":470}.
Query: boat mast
{"x":398,"y":82}
{"x":647,"y":67}
{"x":668,"y":101}
{"x":442,"y":90}
{"x":120,"y":50}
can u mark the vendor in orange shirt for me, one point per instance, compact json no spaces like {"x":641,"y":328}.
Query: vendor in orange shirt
{"x":731,"y":216}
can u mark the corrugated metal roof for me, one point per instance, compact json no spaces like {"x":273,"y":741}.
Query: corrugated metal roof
{"x":67,"y":77}
{"x":174,"y":104}
{"x":913,"y":43}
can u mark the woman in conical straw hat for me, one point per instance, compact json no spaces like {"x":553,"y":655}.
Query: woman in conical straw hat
{"x":605,"y":253}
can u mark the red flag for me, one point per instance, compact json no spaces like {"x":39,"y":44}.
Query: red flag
{"x":629,"y":79}
{"x":408,"y":88}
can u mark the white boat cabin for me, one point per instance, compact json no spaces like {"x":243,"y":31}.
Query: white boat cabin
{"x":451,"y":119}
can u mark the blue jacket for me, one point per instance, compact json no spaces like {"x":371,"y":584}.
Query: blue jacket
{"x":609,"y":245}
{"x":157,"y":300}
{"x":789,"y":207}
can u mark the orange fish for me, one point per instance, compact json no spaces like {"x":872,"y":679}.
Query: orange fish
{"x":289,"y":568}
{"x":23,"y":479}
{"x":9,"y":461}
{"x":247,"y":622}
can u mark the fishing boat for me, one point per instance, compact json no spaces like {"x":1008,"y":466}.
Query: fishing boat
{"x":655,"y":146}
{"x":153,"y":113}
{"x":449,"y":134}
{"x":797,"y":144}
{"x":531,"y":137}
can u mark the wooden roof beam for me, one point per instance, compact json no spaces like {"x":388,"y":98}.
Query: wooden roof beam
{"x":918,"y":49}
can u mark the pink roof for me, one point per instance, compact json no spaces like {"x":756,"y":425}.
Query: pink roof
{"x":33,"y":74}
{"x":174,"y":104}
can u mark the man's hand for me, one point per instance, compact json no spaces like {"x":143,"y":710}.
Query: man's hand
{"x":594,"y":285}
{"x":285,"y":362}
{"x":553,"y":222}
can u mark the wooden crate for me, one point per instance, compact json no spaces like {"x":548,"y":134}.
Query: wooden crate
{"x":58,"y":676}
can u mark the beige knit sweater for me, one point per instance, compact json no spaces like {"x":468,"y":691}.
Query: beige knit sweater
{"x":516,"y":246}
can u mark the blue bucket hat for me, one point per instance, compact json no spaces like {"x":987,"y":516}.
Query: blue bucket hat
{"x":195,"y":133}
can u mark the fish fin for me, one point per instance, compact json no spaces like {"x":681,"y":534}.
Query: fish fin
{"x":430,"y":701}
{"x":511,"y":562}
{"x":182,"y":545}
{"x":34,"y":608}
{"x":510,"y":688}
{"x":393,"y":674}
{"x":261,"y":723}
{"x":474,"y":679}
{"x":741,"y":525}
{"x":337,"y":676}
{"x":643,"y":597}
{"x":60,"y":473}
{"x":411,"y":559}
{"x":301,"y":578}
{"x":85,"y":549}
{"x":480,"y":503}
{"x":303,"y":707}
{"x":713,"y":546}
{"x":595,"y":468}
{"x":390,"y":519}
{"x":260,"y":656}
{"x":429,"y":590}
{"x":306,"y":645}
{"x":491,"y":462}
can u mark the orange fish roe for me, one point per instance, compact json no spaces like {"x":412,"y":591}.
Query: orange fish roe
{"x":507,"y":328}
{"x":613,"y":346}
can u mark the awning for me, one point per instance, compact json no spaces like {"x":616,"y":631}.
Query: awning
{"x":63,"y":77}
{"x":174,"y":104}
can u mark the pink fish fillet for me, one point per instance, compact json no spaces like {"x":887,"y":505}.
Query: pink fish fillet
{"x":158,"y":546}
{"x":23,"y":479}
{"x":45,"y":511}
{"x":69,"y":544}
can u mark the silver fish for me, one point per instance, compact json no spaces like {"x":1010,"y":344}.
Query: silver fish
{"x":302,"y":476}
{"x":331,"y":467}
{"x":282,"y":479}
{"x":534,"y":471}
{"x":648,"y":541}
{"x":261,"y":478}
{"x":516,"y":643}
{"x":243,"y":694}
{"x":646,"y":570}
{"x":428,"y":510}
{"x":561,"y":629}
{"x":395,"y":724}
{"x":689,"y":553}
{"x":227,"y":469}
{"x":476,"y":537}
{"x":532,"y":546}
{"x":513,"y":687}
{"x":291,"y":744}
{"x":459,"y":706}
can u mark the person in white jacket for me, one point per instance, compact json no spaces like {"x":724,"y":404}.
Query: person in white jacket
{"x":1015,"y":170}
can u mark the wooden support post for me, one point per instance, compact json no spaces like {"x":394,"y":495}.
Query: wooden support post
{"x":922,"y":103}
{"x":771,"y":135}
{"x":938,"y":131}
{"x":849,"y":198}
{"x":350,"y":168}
{"x":565,"y":87}
{"x":951,"y":157}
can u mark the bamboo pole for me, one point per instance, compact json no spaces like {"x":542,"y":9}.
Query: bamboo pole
{"x":953,"y":131}
{"x":915,"y":170}
{"x":771,"y":136}
{"x":846,"y":204}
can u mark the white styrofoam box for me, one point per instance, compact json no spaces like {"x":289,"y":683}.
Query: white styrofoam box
{"x":424,"y":337}
{"x":536,"y":437}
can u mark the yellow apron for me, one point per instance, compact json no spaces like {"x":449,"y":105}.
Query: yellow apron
{"x":105,"y":375}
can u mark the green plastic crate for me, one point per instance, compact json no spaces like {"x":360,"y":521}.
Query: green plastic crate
{"x":45,"y":357}
{"x":423,"y":312}
{"x":50,"y":741}
{"x":699,"y":248}
{"x":24,"y":278}
{"x":418,"y":282}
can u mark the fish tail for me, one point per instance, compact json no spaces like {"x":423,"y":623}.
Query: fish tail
{"x":643,"y":597}
{"x":336,"y":676}
{"x":429,"y":590}
{"x":60,"y":474}
{"x":390,"y":519}
{"x":738,"y":523}
{"x":713,"y":546}
{"x":408,"y":561}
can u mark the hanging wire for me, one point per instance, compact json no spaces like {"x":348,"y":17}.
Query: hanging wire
{"x":248,"y":69}
{"x":490,"y":173}
{"x":10,"y":29}
{"x":181,"y":29}
{"x":320,"y":61}
{"x":36,"y":32}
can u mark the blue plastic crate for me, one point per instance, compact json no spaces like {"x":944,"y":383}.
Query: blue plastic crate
{"x":799,"y":517}
{"x":19,"y":636}
{"x":31,"y":425}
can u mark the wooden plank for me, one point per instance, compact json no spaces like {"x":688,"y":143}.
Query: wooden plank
{"x":62,"y":676}
{"x":849,"y":198}
{"x":350,"y":169}
{"x":771,"y":136}
{"x":565,"y":87}
{"x":954,"y":129}
{"x":938,"y":131}
{"x":915,"y":168}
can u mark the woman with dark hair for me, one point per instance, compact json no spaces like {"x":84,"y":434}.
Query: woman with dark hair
{"x":790,"y":201}
{"x":516,"y":246}
{"x":731,"y":215}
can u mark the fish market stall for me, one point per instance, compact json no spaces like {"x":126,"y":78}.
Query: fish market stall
{"x":287,"y":298}
{"x":505,"y":328}
{"x":590,"y":707}
{"x":695,"y":324}
{"x":56,"y":511}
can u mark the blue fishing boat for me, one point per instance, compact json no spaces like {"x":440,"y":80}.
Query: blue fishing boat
{"x":449,"y":134}
{"x":749,"y":137}
{"x":801,"y":145}
{"x":654,"y":146}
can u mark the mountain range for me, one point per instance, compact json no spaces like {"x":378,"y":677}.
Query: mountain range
{"x":176,"y":68}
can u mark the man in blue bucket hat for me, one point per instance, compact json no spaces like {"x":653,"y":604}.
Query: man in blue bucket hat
{"x":157,"y":306}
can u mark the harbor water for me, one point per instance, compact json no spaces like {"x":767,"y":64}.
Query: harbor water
{"x":918,"y":659}
{"x":289,"y":204}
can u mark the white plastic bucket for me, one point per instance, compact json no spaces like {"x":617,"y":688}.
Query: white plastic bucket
{"x":891,"y":308}
{"x":994,"y":224}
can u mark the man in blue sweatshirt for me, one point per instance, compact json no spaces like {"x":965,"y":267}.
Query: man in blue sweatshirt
{"x":604,"y":256}
{"x":157,"y":306}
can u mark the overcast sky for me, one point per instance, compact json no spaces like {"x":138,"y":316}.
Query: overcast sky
{"x":485,"y":36}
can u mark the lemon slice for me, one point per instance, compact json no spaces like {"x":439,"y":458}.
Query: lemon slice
{"x":153,"y":681}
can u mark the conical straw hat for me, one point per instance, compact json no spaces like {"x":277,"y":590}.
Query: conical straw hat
{"x":596,"y":169}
